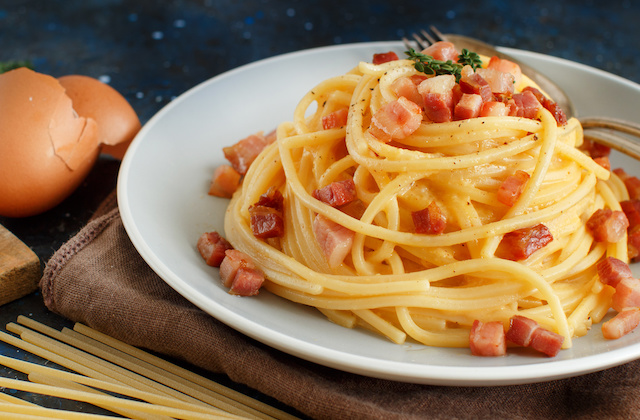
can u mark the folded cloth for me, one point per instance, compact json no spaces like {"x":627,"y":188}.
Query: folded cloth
{"x":98,"y":278}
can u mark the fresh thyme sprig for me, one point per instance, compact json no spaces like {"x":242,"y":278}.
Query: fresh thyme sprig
{"x":429,"y":65}
{"x":470,"y":58}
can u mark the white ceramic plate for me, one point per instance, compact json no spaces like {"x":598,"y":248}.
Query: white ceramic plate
{"x":162,"y":196}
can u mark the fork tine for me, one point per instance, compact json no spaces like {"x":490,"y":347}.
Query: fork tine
{"x":437,"y":34}
{"x":612,"y":138}
{"x":407,"y":43}
{"x":424,"y":38}
{"x":628,"y":127}
{"x":422,"y":42}
{"x":428,"y":37}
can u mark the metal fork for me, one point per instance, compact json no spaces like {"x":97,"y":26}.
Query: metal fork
{"x":615,"y":133}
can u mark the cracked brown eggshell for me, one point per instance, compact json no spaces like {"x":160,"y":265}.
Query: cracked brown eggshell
{"x":117,"y":121}
{"x":46,"y":149}
{"x":50,"y":138}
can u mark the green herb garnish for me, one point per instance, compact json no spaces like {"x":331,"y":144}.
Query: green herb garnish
{"x":470,"y":58}
{"x":429,"y":65}
{"x":5,"y":66}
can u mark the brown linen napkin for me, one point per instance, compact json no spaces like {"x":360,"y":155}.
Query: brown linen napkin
{"x":98,"y":278}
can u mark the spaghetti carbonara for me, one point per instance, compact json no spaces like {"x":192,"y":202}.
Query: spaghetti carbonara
{"x":428,"y":283}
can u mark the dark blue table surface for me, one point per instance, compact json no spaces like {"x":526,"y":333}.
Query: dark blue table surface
{"x":154,"y":50}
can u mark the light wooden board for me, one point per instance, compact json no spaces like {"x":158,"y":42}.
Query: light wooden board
{"x":19,"y":268}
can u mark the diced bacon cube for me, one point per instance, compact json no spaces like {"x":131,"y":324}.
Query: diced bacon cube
{"x":604,"y":162}
{"x":266,"y":222}
{"x":631,"y":182}
{"x":551,"y":106}
{"x":621,"y":173}
{"x":232,"y":261}
{"x":265,"y":216}
{"x":501,"y":83}
{"x":622,"y":324}
{"x":456,"y":94}
{"x":212,"y":248}
{"x":337,"y":193}
{"x":633,"y":243}
{"x":335,"y":240}
{"x":418,"y":78}
{"x":405,"y":86}
{"x":512,"y":109}
{"x":607,"y":225}
{"x":487,"y":339}
{"x":537,"y":93}
{"x":242,"y":154}
{"x":247,"y":282}
{"x":396,"y":120}
{"x":443,"y":51}
{"x":381,"y":58}
{"x":528,"y":333}
{"x":335,"y":119}
{"x":467,"y":107}
{"x":526,"y":105}
{"x":521,"y":243}
{"x":271,"y":136}
{"x":633,"y":187}
{"x":596,"y":150}
{"x":512,"y":187}
{"x":557,"y":112}
{"x":631,"y":209}
{"x":546,"y":341}
{"x":611,"y":270}
{"x":474,"y":83}
{"x":224,"y":182}
{"x":429,"y":220}
{"x":494,"y":109}
{"x":521,"y":330}
{"x":437,"y":93}
{"x":627,"y":294}
{"x":466,"y":71}
{"x":272,"y":198}
{"x":355,"y":209}
{"x":506,"y":66}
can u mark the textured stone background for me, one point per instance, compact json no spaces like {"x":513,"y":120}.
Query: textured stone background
{"x":152,"y":51}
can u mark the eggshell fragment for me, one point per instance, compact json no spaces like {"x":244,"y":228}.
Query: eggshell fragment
{"x":46,"y":149}
{"x":117,"y":121}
